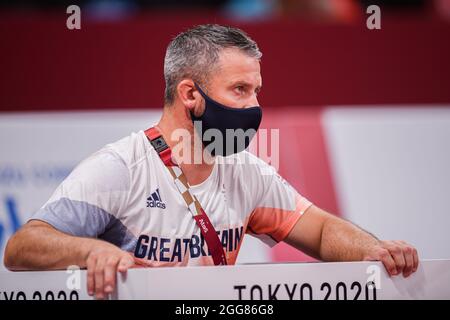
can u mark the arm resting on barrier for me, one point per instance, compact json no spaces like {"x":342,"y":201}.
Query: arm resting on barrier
{"x":39,"y":246}
{"x":330,"y":238}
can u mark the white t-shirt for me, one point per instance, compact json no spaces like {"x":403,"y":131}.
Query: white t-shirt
{"x":125,"y":195}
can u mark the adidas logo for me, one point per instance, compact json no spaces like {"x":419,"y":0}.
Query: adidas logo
{"x":155,"y":200}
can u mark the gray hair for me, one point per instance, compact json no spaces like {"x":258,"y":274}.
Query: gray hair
{"x":194,"y":54}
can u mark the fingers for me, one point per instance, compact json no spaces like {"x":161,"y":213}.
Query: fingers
{"x":411,"y":258}
{"x":413,"y":252}
{"x":90,"y":264}
{"x":125,"y":263}
{"x":404,"y":256}
{"x":110,"y":275}
{"x":386,"y":258}
{"x":409,"y":261}
{"x":99,"y":278}
{"x":102,"y":268}
{"x":398,"y":256}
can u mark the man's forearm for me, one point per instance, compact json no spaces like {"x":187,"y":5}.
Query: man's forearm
{"x":37,"y":247}
{"x":329,"y":238}
{"x":343,"y":241}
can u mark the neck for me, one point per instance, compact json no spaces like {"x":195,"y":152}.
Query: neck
{"x":187,"y":150}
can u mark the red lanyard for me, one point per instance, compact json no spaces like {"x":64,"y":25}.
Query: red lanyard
{"x":202,"y":220}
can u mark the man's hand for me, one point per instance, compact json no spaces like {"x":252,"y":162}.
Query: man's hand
{"x":397,"y":257}
{"x":102,"y":263}
{"x":329,"y":238}
{"x":39,"y":246}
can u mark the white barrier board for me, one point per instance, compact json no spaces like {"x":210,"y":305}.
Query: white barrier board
{"x":296,"y":281}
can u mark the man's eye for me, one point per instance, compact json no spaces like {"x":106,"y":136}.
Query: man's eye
{"x":240,"y":89}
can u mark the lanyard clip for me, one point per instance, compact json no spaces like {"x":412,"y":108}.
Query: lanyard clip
{"x":159,"y":144}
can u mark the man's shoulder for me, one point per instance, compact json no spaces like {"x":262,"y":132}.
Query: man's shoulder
{"x":112,"y":161}
{"x":130,"y":149}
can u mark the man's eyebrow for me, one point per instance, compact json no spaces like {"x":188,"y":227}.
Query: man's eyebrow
{"x":247,"y":84}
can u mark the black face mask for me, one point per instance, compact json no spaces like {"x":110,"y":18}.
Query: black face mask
{"x":237,"y":127}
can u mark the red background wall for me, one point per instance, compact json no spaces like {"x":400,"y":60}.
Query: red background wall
{"x":120,"y":64}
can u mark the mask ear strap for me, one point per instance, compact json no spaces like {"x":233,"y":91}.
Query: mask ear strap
{"x":201,"y":91}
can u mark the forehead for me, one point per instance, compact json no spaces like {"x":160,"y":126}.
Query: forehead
{"x":235,"y":65}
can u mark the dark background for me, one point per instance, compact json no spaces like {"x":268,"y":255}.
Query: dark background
{"x":311,"y":56}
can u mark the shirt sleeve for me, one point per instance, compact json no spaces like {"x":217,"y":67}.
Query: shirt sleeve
{"x":88,"y":202}
{"x":277,"y":206}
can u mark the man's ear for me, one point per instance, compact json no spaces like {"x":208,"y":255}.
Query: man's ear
{"x":188,"y":95}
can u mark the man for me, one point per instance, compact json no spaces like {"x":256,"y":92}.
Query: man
{"x":127,"y":204}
